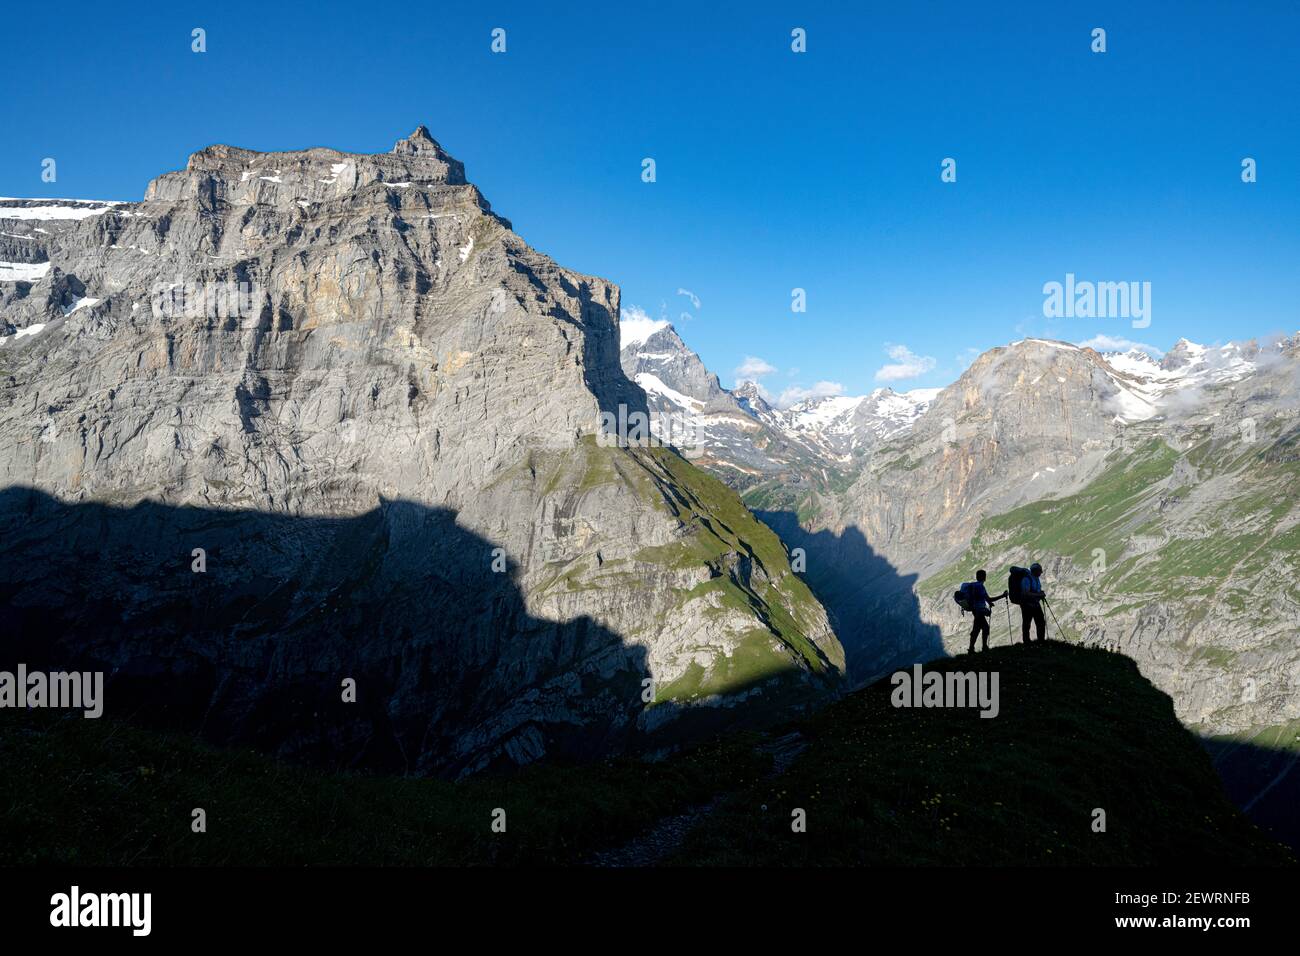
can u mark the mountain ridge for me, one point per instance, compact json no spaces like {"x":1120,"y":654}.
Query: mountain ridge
{"x":402,"y":398}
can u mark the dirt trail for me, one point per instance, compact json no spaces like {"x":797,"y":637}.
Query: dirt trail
{"x":667,"y":836}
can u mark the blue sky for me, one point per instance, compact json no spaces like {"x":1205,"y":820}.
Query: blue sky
{"x":775,"y":170}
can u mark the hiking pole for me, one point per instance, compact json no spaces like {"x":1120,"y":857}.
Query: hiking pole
{"x":1055,"y":621}
{"x":1010,"y":637}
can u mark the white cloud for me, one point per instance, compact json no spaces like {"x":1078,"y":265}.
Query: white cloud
{"x":796,"y":393}
{"x":1111,"y":343}
{"x":634,"y":326}
{"x":752,"y":369}
{"x":906,"y":364}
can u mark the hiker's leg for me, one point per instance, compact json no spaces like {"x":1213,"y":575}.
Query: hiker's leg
{"x":1040,"y":620}
{"x":984,"y":630}
{"x":1025,"y":618}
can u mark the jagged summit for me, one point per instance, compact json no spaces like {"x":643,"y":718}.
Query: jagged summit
{"x":751,"y":399}
{"x":243,"y":176}
{"x":420,"y":141}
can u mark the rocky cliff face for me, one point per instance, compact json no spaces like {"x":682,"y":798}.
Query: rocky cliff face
{"x":1022,"y":422}
{"x":379,"y":413}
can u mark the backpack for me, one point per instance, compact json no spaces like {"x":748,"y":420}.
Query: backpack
{"x":962,"y":598}
{"x":1015,"y":582}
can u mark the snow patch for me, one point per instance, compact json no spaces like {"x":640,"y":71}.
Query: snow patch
{"x":23,"y":271}
{"x":84,"y":302}
{"x":655,"y":386}
{"x":23,"y":333}
{"x":84,"y":209}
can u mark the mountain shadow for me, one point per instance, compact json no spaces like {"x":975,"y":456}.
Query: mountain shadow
{"x":251,"y":639}
{"x":1263,"y":781}
{"x":872,"y":607}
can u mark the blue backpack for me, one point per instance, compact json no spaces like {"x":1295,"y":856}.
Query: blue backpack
{"x":962,"y":597}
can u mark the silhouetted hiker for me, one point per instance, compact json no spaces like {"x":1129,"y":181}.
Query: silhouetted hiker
{"x":981,"y":606}
{"x":1031,"y":603}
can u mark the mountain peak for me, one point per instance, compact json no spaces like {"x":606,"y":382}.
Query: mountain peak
{"x":420,"y":141}
{"x":1184,"y":353}
{"x":638,"y":328}
{"x":292,"y":177}
{"x":751,"y":399}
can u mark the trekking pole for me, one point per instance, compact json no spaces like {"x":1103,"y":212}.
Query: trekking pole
{"x":1055,"y":621}
{"x":1010,"y":638}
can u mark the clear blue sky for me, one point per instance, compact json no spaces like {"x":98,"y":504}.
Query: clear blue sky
{"x":775,"y":170}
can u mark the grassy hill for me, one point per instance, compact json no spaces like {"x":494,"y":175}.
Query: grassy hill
{"x":1078,"y":729}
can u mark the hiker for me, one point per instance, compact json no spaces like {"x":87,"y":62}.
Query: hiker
{"x":981,"y":606}
{"x":1031,"y":603}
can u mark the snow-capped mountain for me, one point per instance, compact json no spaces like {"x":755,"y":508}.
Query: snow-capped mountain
{"x":848,"y":424}
{"x":1150,"y":387}
{"x":673,"y":377}
{"x":743,"y":435}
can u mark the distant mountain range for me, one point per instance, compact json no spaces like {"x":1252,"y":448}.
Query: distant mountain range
{"x":394,"y":462}
{"x":1160,"y":493}
{"x":772,"y":454}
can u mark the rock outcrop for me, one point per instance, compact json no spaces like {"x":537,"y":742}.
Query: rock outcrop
{"x":378,"y":412}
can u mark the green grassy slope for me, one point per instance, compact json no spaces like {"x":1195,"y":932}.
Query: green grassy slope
{"x":1103,"y":515}
{"x":1211,"y":533}
{"x":748,"y":570}
{"x":100,"y":792}
{"x":1079,"y":729}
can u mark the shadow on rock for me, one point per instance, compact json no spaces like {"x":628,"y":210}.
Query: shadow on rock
{"x":872,"y":607}
{"x":253,"y":643}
